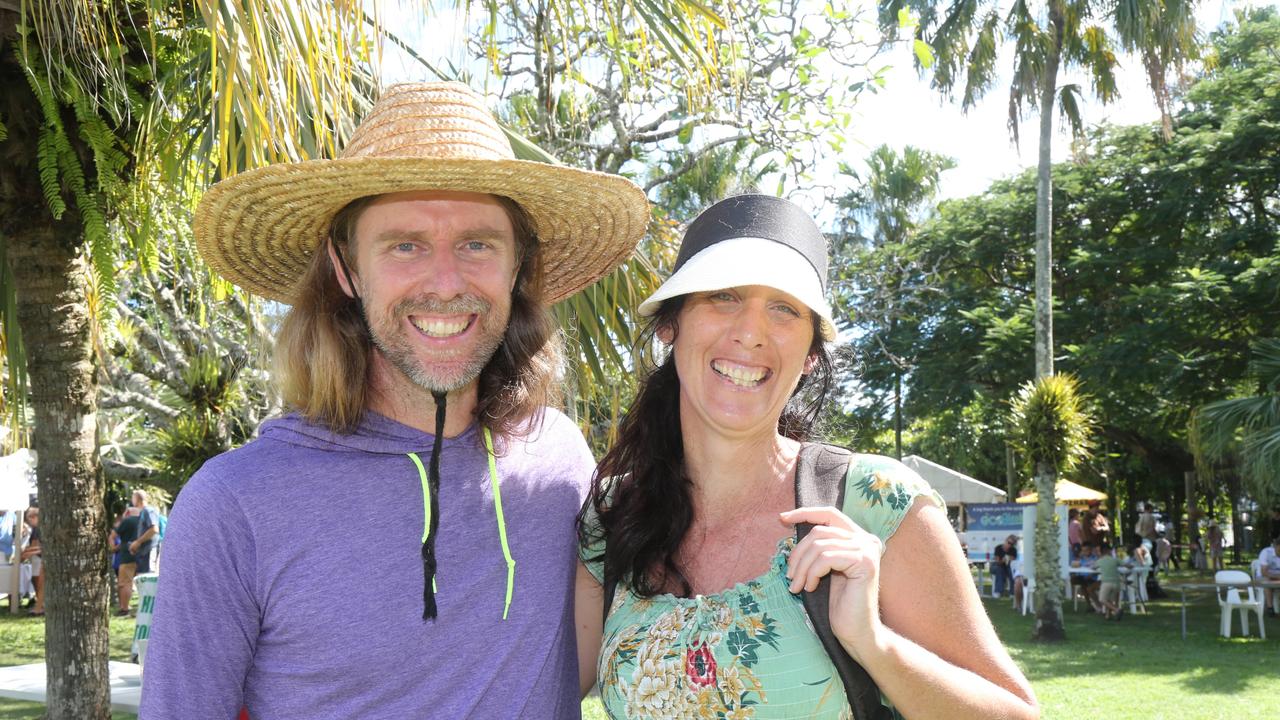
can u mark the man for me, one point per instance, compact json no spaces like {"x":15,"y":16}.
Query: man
{"x":143,"y":546}
{"x":126,"y":532}
{"x":419,"y":355}
{"x":1004,"y":554}
{"x":1269,"y":569}
{"x":1146,"y":525}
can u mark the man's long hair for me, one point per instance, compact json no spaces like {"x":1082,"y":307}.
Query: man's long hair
{"x":322,"y":356}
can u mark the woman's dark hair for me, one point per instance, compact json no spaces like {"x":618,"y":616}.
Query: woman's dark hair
{"x":640,"y":493}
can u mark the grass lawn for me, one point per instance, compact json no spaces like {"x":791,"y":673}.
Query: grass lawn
{"x":1139,"y":668}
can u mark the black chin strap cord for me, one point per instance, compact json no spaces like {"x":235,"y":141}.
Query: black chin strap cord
{"x":346,"y":273}
{"x":429,"y":545}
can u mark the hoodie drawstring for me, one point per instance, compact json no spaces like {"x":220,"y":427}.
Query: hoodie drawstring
{"x":431,"y":512}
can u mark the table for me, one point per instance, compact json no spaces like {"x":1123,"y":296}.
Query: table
{"x":27,"y":682}
{"x":1183,"y":588}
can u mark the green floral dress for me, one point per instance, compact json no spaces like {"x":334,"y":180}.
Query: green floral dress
{"x":747,"y":652}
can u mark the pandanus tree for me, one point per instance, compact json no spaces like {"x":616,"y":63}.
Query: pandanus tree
{"x":1052,"y":428}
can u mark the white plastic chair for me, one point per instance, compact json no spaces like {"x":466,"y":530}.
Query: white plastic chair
{"x":1244,"y":599}
{"x":1028,"y":590}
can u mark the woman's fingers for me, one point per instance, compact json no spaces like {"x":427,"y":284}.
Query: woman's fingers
{"x":829,"y":552}
{"x":827,"y":515}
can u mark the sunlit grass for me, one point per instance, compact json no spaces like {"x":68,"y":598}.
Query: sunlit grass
{"x":1138,"y":668}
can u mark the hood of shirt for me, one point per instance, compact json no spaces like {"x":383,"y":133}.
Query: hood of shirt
{"x":374,"y":434}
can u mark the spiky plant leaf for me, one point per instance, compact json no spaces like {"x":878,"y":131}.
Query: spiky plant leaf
{"x":1052,"y":423}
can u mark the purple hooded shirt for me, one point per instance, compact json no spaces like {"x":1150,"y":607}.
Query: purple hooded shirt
{"x":291,"y":580}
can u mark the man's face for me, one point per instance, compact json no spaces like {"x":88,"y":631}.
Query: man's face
{"x":434,"y":271}
{"x":137,"y":501}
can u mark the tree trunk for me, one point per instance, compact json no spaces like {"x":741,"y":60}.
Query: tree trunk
{"x":1049,"y":585}
{"x":1044,"y":198}
{"x":897,"y":414}
{"x":1010,"y":473}
{"x":52,"y":276}
{"x":1233,"y":495}
{"x":51,"y":281}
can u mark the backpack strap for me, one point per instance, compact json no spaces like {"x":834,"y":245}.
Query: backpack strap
{"x":820,"y":473}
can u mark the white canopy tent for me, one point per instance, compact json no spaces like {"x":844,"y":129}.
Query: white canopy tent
{"x":954,"y":487}
{"x":17,"y":480}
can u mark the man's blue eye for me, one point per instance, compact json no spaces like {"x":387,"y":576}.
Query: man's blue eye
{"x":404,"y":247}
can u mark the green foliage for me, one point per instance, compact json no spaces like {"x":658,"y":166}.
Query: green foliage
{"x":1051,"y":423}
{"x":1169,"y":272}
{"x":61,"y":168}
{"x":1247,"y":428}
{"x":185,"y":445}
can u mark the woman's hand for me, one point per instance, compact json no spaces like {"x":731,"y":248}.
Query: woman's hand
{"x":851,"y":555}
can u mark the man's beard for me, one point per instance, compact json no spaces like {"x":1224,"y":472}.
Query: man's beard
{"x":388,"y":339}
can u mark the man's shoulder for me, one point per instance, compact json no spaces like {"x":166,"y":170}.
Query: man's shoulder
{"x":551,"y":428}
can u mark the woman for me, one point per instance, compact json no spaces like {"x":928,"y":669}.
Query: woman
{"x":694,"y":512}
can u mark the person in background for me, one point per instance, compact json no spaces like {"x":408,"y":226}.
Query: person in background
{"x":1269,"y":569}
{"x":1108,"y":566}
{"x":1019,"y":581}
{"x":8,"y":521}
{"x":1198,"y":557}
{"x":1214,"y":538}
{"x":1088,"y":525}
{"x":32,"y":552}
{"x":1086,"y":583}
{"x":1004,"y":554}
{"x":148,"y":526}
{"x":125,"y":533}
{"x":1074,"y":532}
{"x":1164,"y":552}
{"x":1146,"y":525}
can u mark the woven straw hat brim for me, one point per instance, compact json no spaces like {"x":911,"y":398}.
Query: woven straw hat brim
{"x":259,"y":229}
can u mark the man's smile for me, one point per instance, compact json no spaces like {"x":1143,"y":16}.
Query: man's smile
{"x":443,"y":327}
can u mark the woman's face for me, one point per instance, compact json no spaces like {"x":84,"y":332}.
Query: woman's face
{"x":739,"y":353}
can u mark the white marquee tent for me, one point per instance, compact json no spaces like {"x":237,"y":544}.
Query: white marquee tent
{"x":17,"y":480}
{"x":954,"y":487}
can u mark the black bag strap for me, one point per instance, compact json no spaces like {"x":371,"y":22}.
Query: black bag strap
{"x":820,"y":473}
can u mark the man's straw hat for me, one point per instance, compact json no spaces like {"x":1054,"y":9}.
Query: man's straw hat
{"x":260,"y":228}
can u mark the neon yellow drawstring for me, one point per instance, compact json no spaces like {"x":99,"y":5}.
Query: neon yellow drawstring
{"x":497,"y":507}
{"x":502,"y":521}
{"x":426,"y":506}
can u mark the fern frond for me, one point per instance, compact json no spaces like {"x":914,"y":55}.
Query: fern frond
{"x":47,"y":161}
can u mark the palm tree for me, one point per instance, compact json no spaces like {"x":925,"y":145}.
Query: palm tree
{"x":1246,"y":429}
{"x":883,"y":272}
{"x":99,"y":96}
{"x":1048,"y":38}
